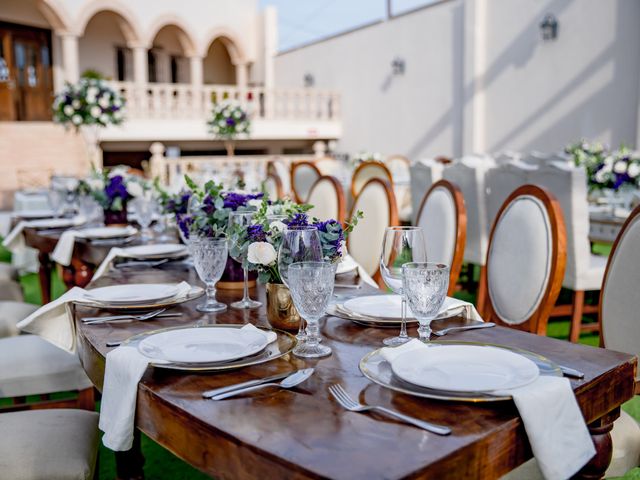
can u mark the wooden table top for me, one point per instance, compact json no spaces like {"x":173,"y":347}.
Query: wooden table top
{"x":304,"y":433}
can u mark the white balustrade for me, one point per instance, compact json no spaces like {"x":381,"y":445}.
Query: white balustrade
{"x":185,"y":101}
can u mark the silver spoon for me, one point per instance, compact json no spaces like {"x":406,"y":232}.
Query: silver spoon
{"x":291,"y":381}
{"x":444,"y":331}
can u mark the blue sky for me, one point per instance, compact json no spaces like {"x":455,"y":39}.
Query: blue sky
{"x":302,"y":21}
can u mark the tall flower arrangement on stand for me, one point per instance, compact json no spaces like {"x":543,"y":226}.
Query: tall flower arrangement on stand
{"x":229,"y":121}
{"x":112,"y":189}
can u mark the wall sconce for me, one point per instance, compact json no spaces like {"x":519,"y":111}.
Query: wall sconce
{"x":309,"y":80}
{"x":398,"y":66}
{"x":549,"y":27}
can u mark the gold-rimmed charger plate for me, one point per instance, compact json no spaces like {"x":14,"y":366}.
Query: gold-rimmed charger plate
{"x":378,"y":370}
{"x":281,"y":347}
{"x":195,"y":292}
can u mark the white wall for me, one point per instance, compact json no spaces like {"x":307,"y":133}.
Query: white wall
{"x":97,"y":51}
{"x":418,"y":113}
{"x":480,"y":77}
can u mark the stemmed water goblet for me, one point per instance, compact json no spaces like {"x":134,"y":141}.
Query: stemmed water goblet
{"x":399,"y":246}
{"x":209,"y":258}
{"x":311,"y":285}
{"x":241,"y":220}
{"x":425,"y":286}
{"x":56,"y":199}
{"x":299,"y":244}
{"x":144,"y":209}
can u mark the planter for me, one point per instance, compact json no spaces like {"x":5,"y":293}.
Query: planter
{"x":112,"y":217}
{"x":233,"y":277}
{"x":281,"y":312}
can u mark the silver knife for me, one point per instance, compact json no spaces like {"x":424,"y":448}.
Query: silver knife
{"x":119,"y":318}
{"x":570,"y":372}
{"x":250,"y":383}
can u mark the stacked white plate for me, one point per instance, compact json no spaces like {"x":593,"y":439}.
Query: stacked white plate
{"x":464,"y":368}
{"x":158,"y":251}
{"x":133,"y":294}
{"x":104,"y":233}
{"x":203,"y":345}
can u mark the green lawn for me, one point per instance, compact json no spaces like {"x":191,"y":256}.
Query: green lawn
{"x":162,"y":464}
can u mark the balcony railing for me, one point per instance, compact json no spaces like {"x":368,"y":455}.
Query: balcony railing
{"x":185,"y":101}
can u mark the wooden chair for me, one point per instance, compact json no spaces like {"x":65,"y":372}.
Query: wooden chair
{"x":273,"y":186}
{"x":303,"y":176}
{"x":423,"y":174}
{"x":525,"y":261}
{"x":365,"y":172}
{"x":443,"y":219}
{"x":327,"y":198}
{"x":378,"y":203}
{"x":328,"y":165}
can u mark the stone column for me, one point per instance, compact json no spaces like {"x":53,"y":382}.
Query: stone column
{"x":195,"y":64}
{"x":140,"y":65}
{"x":70,"y":60}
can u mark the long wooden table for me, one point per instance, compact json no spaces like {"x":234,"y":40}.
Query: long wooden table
{"x":303,"y":433}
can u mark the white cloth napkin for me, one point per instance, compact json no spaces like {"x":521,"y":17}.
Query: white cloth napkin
{"x":454,"y":306}
{"x":556,"y":429}
{"x":111,"y":256}
{"x":15,"y":240}
{"x":124,"y":369}
{"x":64,"y":248}
{"x":348,"y":264}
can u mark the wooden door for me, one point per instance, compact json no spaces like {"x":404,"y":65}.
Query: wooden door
{"x":7,"y":102}
{"x":32,"y":74}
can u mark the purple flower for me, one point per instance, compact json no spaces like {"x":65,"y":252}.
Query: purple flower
{"x":234,"y":200}
{"x":116,"y":188}
{"x":298,"y":220}
{"x":179,"y":204}
{"x":256,"y":233}
{"x":621,"y":179}
{"x":184,"y":223}
{"x":231,"y":122}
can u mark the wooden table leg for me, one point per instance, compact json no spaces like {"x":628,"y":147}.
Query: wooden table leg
{"x":600,"y":432}
{"x":129,"y":464}
{"x":44,"y":273}
{"x":77,"y":274}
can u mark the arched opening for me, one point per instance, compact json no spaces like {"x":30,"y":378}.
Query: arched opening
{"x":168,"y":62}
{"x":103,"y":48}
{"x":217,"y":65}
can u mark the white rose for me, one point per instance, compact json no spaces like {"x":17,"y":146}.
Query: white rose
{"x":90,"y":99}
{"x":600,"y":176}
{"x":68,"y":110}
{"x":95,"y":111}
{"x":620,"y":166}
{"x":95,"y":184}
{"x":103,"y":101}
{"x":261,"y":253}
{"x":76,"y":104}
{"x":256,"y":202}
{"x":277,"y":226}
{"x":76,"y":119}
{"x":135,"y":190}
{"x":117,"y":102}
{"x":104,"y":118}
{"x":608,"y":160}
{"x":634,"y":170}
{"x":92,"y":92}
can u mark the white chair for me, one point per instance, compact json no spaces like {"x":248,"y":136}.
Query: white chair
{"x":469,"y":175}
{"x":329,"y":166}
{"x":423,"y":174}
{"x":365,"y":172}
{"x":283,"y":170}
{"x":525,"y":261}
{"x":273,"y":186}
{"x":443,"y":219}
{"x":328,"y":200}
{"x":585,"y":270}
{"x":303,"y":176}
{"x":378,"y":203}
{"x":59,"y":444}
{"x":502,"y":180}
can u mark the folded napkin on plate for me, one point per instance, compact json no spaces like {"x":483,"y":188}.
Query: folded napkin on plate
{"x":15,"y":240}
{"x":111,"y":256}
{"x":64,"y":248}
{"x":349,"y":264}
{"x":556,"y":429}
{"x":454,"y":306}
{"x":54,"y":321}
{"x":124,"y":369}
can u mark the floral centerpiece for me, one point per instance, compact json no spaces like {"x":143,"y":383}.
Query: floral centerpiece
{"x":228,"y":121}
{"x":606,"y":170}
{"x":364,"y":156}
{"x":89,"y":102}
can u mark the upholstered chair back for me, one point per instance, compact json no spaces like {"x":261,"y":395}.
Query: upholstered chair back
{"x":283,"y":170}
{"x":568,"y":184}
{"x":503,"y":180}
{"x":423,"y":174}
{"x":327,"y":198}
{"x":525,"y":260}
{"x":443,"y":219}
{"x":303,"y":176}
{"x":469,"y":175}
{"x":273,"y":186}
{"x":378,"y":203}
{"x":399,"y":166}
{"x":328,"y":166}
{"x":365,"y":172}
{"x":619,"y":300}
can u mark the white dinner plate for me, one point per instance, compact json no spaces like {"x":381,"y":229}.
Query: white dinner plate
{"x":106,"y":232}
{"x":202,"y":345}
{"x":132,"y":293}
{"x":34,"y":214}
{"x":378,"y":306}
{"x":168,"y":250}
{"x":462,"y":368}
{"x":52,"y":223}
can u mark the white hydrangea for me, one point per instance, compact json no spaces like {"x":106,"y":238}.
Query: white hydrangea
{"x":261,"y":253}
{"x":92,"y":92}
{"x":68,"y":110}
{"x":95,"y":111}
{"x":104,"y":118}
{"x":634,"y":170}
{"x":620,"y":167}
{"x":601,"y":176}
{"x":76,"y":104}
{"x":76,"y":119}
{"x":103,"y":101}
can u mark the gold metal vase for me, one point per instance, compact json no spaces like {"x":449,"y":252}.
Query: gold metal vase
{"x":281,"y":312}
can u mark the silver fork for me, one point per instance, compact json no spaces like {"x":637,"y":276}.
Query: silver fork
{"x":146,"y":316}
{"x":343,"y":398}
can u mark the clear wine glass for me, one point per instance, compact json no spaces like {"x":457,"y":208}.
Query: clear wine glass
{"x":57,"y":200}
{"x":241,"y":220}
{"x":311,"y":285}
{"x":299,"y":244}
{"x":425,"y":286}
{"x":144,"y":209}
{"x":400,"y":245}
{"x":210,"y":258}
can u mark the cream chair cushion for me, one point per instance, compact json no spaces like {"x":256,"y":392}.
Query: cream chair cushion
{"x":324,"y":198}
{"x":439,"y":223}
{"x":620,"y":301}
{"x":304,"y":177}
{"x":55,"y":444}
{"x":10,"y":290}
{"x":503,"y":180}
{"x":519,"y":260}
{"x":271,"y":187}
{"x":329,"y":166}
{"x":423,"y":175}
{"x":367,"y":172}
{"x":30,"y":365}
{"x":365,"y":242}
{"x":10,"y":314}
{"x":625,"y":437}
{"x":284,"y":173}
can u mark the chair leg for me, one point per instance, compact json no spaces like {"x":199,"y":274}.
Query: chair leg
{"x":576,"y":316}
{"x":482,"y":290}
{"x":86,"y":399}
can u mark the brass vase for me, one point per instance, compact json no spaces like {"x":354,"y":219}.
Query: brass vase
{"x":281,"y":312}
